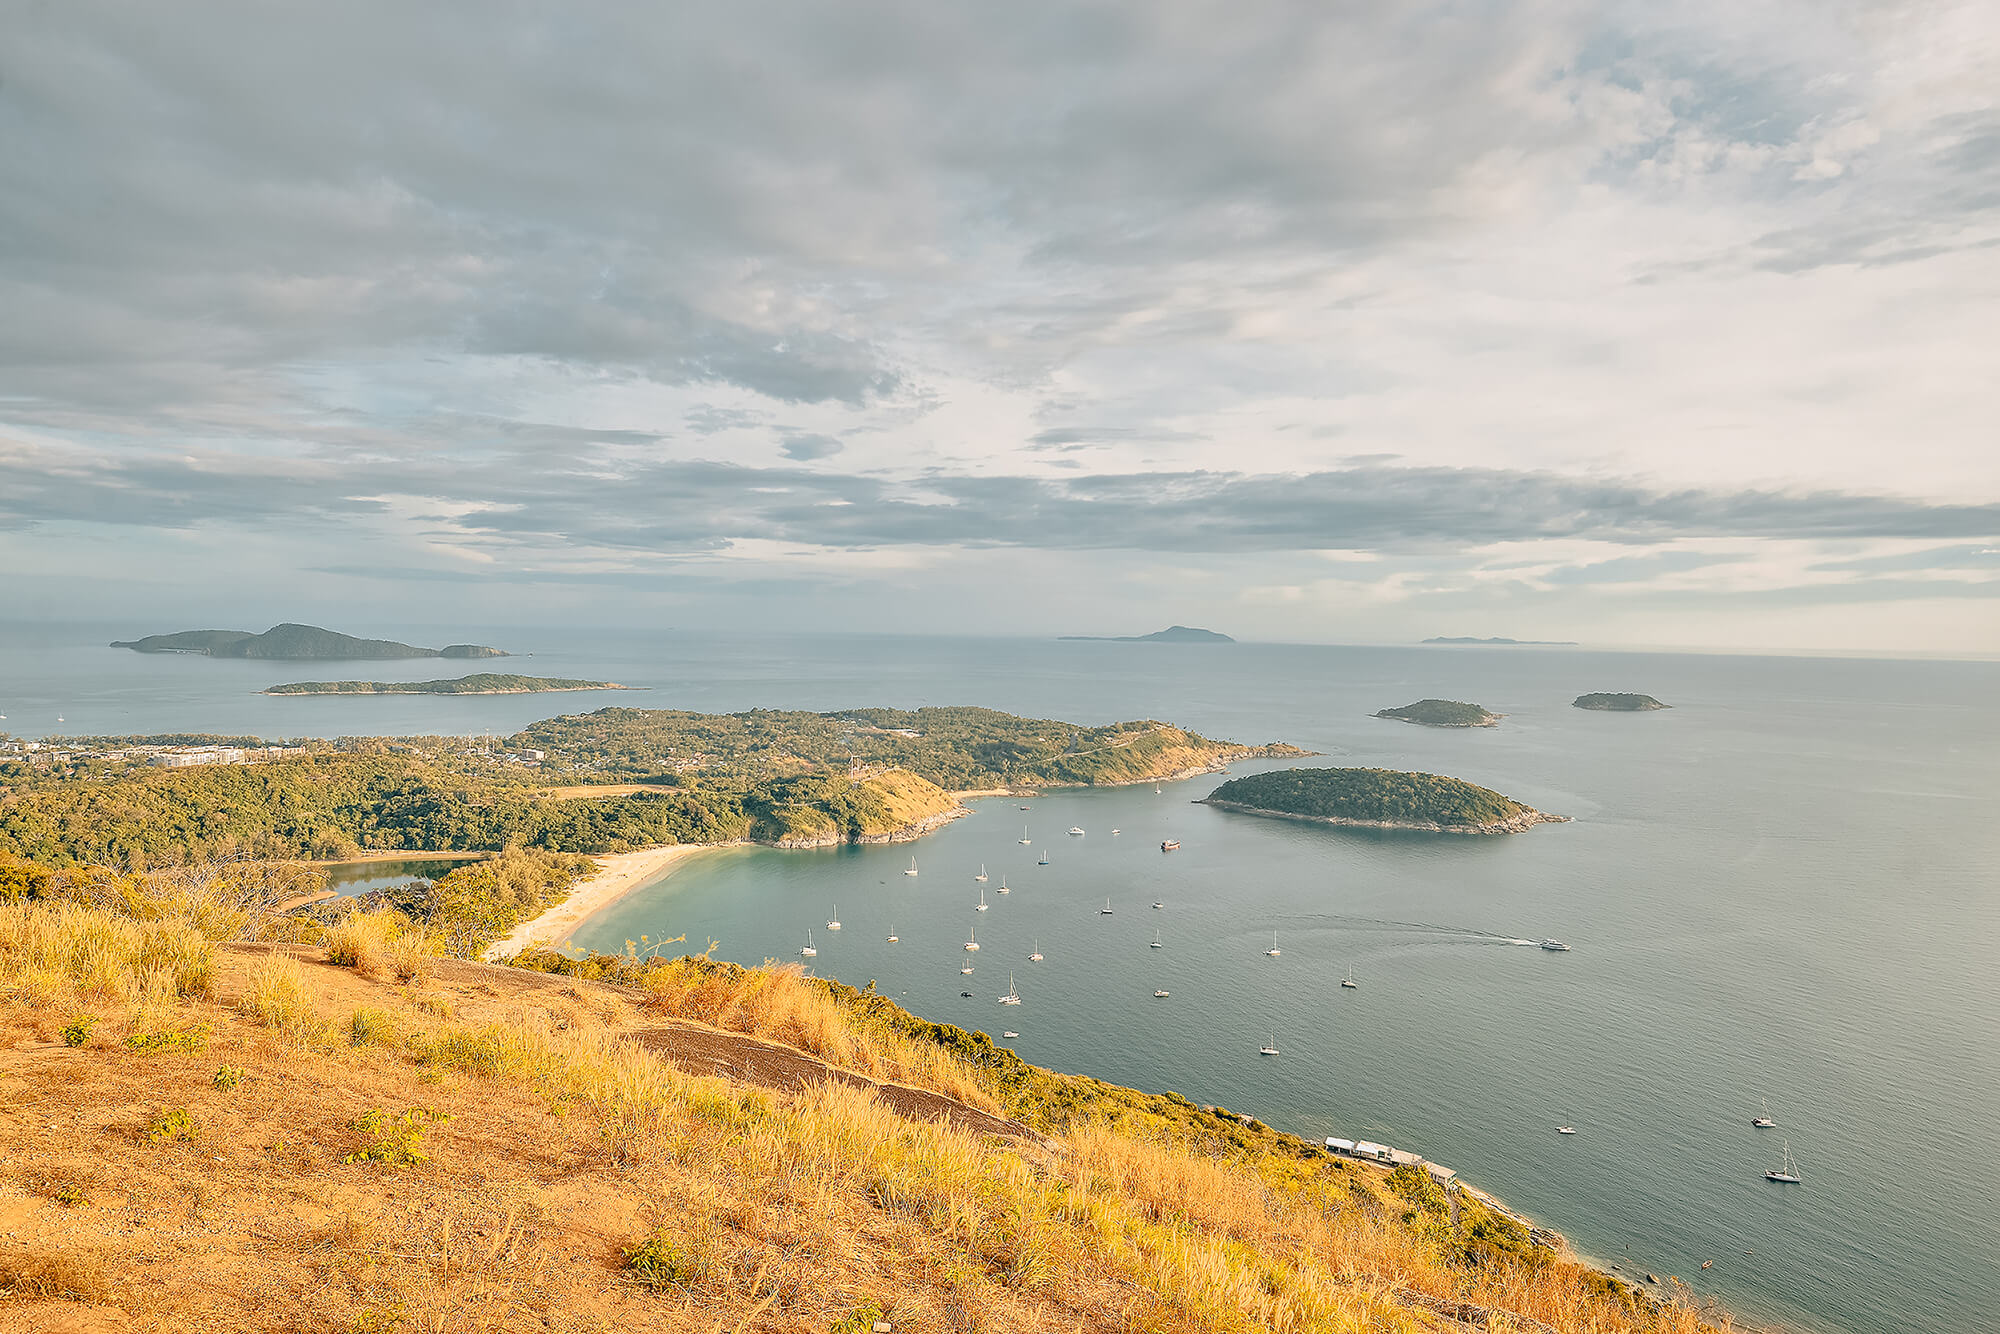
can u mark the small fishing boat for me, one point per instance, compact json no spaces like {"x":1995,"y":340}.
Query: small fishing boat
{"x":1159,"y":995}
{"x":1274,"y":951}
{"x":981,"y":877}
{"x":982,"y":905}
{"x":807,"y":951}
{"x":1156,"y":939}
{"x":1787,"y":1173}
{"x":1554,"y":946}
{"x":1036,"y":957}
{"x":1565,"y":1130}
{"x":1013,"y":996}
{"x":1170,"y":845}
{"x":1105,"y":911}
{"x":913,"y":867}
{"x":1349,"y":981}
{"x":1272,"y":1049}
{"x":833,"y":922}
{"x":1075,"y":832}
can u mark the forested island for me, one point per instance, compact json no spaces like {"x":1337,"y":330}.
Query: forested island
{"x":1173,"y":634}
{"x":1441,"y":713}
{"x":295,"y":643}
{"x":609,"y":781}
{"x":1379,"y":798}
{"x":1614,"y":703}
{"x":479,"y":683}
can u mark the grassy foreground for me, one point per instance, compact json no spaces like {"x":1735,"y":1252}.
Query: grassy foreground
{"x":213,"y":1115}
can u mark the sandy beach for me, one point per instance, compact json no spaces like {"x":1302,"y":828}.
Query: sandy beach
{"x":618,"y":875}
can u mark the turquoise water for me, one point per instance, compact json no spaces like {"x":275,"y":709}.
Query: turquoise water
{"x":1784,"y":888}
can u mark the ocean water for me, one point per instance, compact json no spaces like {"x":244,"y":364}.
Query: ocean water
{"x":1783,"y":890}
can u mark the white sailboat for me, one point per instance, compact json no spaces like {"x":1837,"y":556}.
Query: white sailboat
{"x":1763,"y":1122}
{"x":1025,"y":840}
{"x":1349,"y":981}
{"x":1003,"y":887}
{"x":1788,"y":1173}
{"x":807,"y":951}
{"x":1272,"y":1049}
{"x":833,"y":922}
{"x":982,"y":905}
{"x":1045,"y":858}
{"x":981,"y":877}
{"x":1156,"y":939}
{"x":1274,"y":951}
{"x":893,"y":937}
{"x":1036,"y":957}
{"x":972,"y":941}
{"x":913,"y":867}
{"x":1013,"y":996}
{"x":966,"y":969}
{"x":1105,"y":911}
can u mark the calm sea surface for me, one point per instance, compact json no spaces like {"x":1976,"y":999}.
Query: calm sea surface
{"x":1783,"y":891}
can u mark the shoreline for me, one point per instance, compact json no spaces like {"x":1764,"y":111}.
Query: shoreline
{"x":618,"y":874}
{"x":1517,"y":824}
{"x":441,"y":694}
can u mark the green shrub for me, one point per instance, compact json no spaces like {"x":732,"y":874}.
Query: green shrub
{"x":175,"y":1123}
{"x":661,"y":1261}
{"x":394,"y":1140}
{"x":185,"y":1039}
{"x":229,"y":1077}
{"x":77,"y":1031}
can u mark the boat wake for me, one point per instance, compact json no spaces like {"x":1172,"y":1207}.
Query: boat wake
{"x":1469,"y":935}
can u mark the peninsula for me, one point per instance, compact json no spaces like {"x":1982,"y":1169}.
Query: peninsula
{"x":1614,"y":703}
{"x":1173,"y":634}
{"x":295,"y":643}
{"x":479,"y":683}
{"x":1441,"y":713}
{"x":1379,"y":799}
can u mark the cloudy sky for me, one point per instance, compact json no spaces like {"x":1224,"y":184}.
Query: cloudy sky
{"x":1638,"y":324}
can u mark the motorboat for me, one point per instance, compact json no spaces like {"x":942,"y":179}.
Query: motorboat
{"x":1157,"y":903}
{"x":1159,"y":995}
{"x":1075,"y":832}
{"x":1554,"y":946}
{"x":1009,"y":1034}
{"x":1170,"y":845}
{"x":1565,"y":1130}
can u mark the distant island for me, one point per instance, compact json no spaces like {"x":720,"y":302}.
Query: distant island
{"x":1519,"y":643}
{"x":296,"y":643}
{"x":1609,"y":703}
{"x":1379,"y":799}
{"x":1441,"y":713}
{"x":480,"y":683}
{"x":1173,"y":634}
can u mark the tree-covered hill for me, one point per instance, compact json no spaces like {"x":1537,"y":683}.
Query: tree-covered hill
{"x":1376,"y":797}
{"x":1441,"y":713}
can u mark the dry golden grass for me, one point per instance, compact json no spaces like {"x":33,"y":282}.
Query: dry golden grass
{"x":531,"y":1169}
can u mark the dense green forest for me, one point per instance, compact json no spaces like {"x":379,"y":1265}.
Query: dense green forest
{"x":959,"y":749}
{"x":1441,"y":713}
{"x":1384,"y":795}
{"x":479,"y":683}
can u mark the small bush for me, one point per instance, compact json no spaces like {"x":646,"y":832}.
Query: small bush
{"x":276,"y":996}
{"x":174,"y":1124}
{"x":661,"y":1262}
{"x":369,"y":1026}
{"x":77,"y":1031}
{"x":229,"y":1077}
{"x":185,"y":1039}
{"x":70,"y":1275}
{"x":69,"y":1195}
{"x":395,"y":1140}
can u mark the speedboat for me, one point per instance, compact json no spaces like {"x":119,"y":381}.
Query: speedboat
{"x":1554,"y":946}
{"x":1565,"y":1130}
{"x":1159,"y":995}
{"x":1075,"y":832}
{"x":1170,"y":845}
{"x":1008,"y":1034}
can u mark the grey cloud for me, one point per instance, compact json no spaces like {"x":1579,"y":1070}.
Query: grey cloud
{"x":806,"y":447}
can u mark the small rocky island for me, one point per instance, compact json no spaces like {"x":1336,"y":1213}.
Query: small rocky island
{"x":1441,"y":713}
{"x":479,"y":683}
{"x":1609,"y":703}
{"x":1173,"y":634}
{"x":295,"y":643}
{"x":1379,"y":799}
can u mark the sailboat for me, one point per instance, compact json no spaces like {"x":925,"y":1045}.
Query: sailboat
{"x":1003,"y":887}
{"x":1036,"y":957}
{"x":833,"y":922}
{"x":1349,"y":981}
{"x":1156,"y":939}
{"x":1271,"y":1050}
{"x":1045,"y":858}
{"x":982,"y":905}
{"x":893,"y":937}
{"x":807,"y":951}
{"x":1106,"y":910}
{"x":1788,"y":1173}
{"x":981,"y":877}
{"x":1013,"y":996}
{"x":966,"y":969}
{"x":913,"y":867}
{"x":1763,"y":1122}
{"x":972,"y":940}
{"x":1274,"y":951}
{"x":1025,"y":840}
